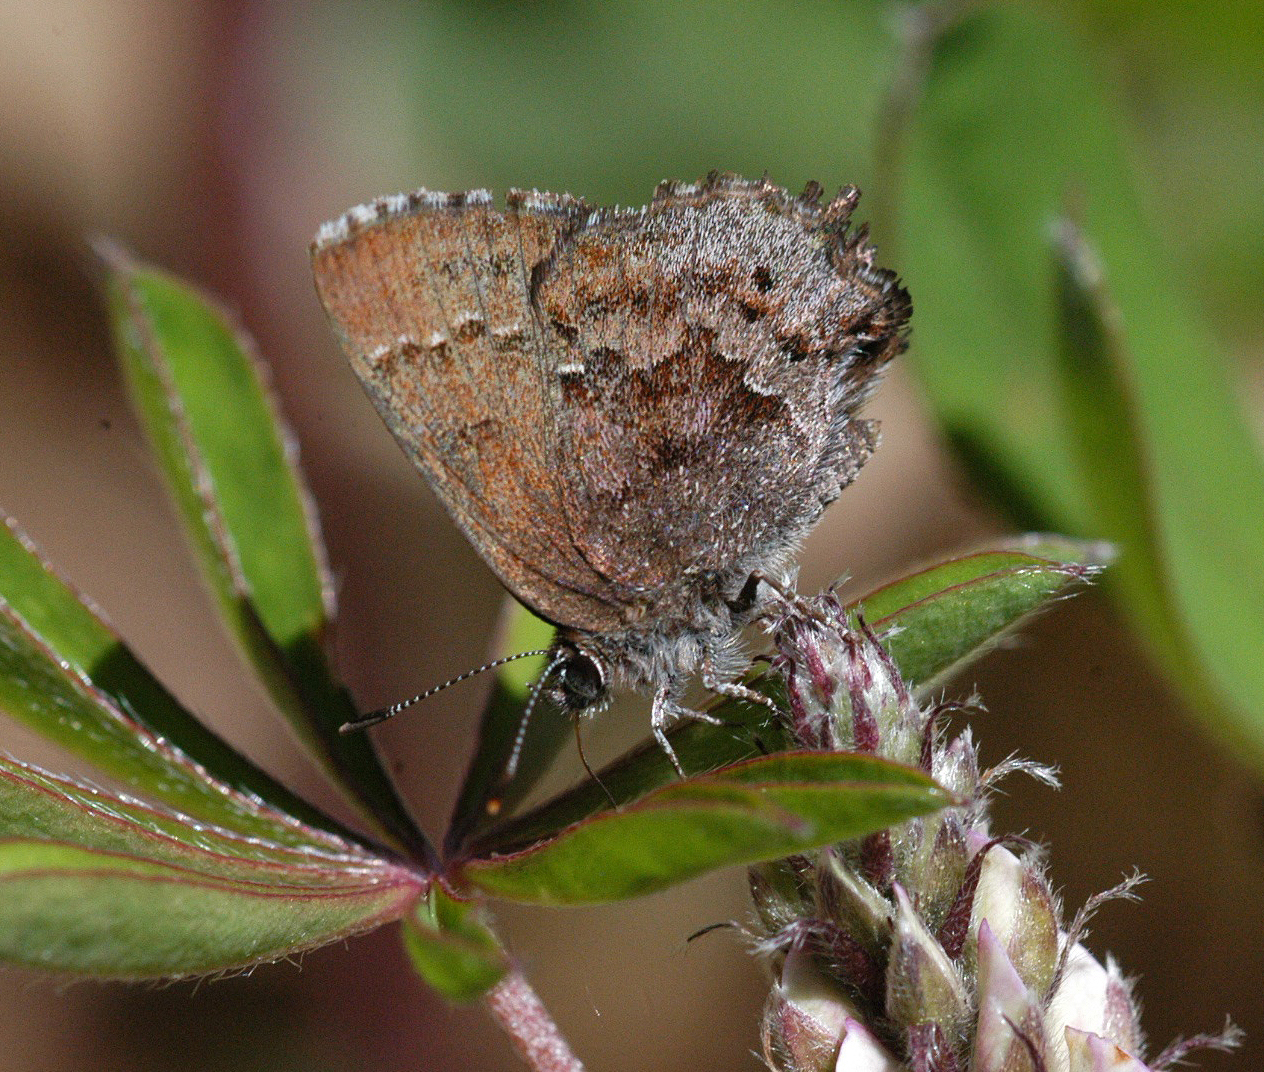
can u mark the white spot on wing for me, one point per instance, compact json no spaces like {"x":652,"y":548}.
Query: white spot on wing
{"x":362,"y":215}
{"x":332,"y":233}
{"x":386,"y":349}
{"x":395,"y":205}
{"x":464,"y":320}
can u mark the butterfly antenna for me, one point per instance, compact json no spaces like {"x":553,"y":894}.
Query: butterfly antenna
{"x":382,"y":714}
{"x":511,"y":767}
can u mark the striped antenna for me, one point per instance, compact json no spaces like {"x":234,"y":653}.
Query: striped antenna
{"x":511,"y":767}
{"x":382,"y":714}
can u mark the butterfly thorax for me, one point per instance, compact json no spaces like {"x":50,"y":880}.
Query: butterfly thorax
{"x":705,"y":638}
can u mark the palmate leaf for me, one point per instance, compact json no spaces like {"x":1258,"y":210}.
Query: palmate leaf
{"x":98,"y":884}
{"x":1010,"y":130}
{"x":92,"y":883}
{"x":230,"y":467}
{"x":933,"y":622}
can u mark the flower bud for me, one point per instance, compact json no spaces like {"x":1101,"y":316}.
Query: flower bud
{"x":1094,"y":1000}
{"x":806,"y":1018}
{"x":923,"y":985}
{"x":1009,"y":1014}
{"x":1014,"y":899}
{"x":1092,"y":1053}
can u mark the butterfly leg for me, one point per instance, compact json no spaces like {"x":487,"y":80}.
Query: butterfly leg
{"x":662,"y":715}
{"x":666,"y":711}
{"x":733,"y":689}
{"x":788,"y":597}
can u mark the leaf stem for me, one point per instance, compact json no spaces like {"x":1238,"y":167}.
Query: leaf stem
{"x":519,"y":1010}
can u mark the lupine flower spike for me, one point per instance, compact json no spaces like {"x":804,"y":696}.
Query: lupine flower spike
{"x":935,"y":945}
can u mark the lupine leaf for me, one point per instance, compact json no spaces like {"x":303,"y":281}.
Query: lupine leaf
{"x":452,"y":949}
{"x":66,"y":674}
{"x":37,"y":805}
{"x":1104,"y":422}
{"x":230,"y":466}
{"x":936,"y":620}
{"x":96,"y":884}
{"x":68,"y":909}
{"x":752,"y":811}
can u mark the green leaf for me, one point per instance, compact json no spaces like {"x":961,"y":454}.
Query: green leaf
{"x":1104,"y":423}
{"x":752,"y":811}
{"x":66,"y":674}
{"x":36,"y":805}
{"x":935,"y":621}
{"x":452,"y":948}
{"x":1012,"y":131}
{"x":92,"y":883}
{"x":67,"y":909}
{"x":230,"y":466}
{"x":748,"y":731}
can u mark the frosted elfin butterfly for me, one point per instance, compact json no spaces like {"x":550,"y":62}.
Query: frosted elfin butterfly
{"x":634,"y":415}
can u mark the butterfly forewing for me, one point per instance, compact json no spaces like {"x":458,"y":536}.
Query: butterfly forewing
{"x":430,"y":296}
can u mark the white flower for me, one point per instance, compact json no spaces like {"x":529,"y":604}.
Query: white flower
{"x":861,"y":1052}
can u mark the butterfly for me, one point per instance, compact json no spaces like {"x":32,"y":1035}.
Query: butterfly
{"x":634,"y":415}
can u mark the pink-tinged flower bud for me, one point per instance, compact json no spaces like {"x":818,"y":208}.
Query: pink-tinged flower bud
{"x":956,"y":766}
{"x":1090,"y":999}
{"x":1092,"y":1053}
{"x":1009,"y":1016}
{"x":806,"y":1018}
{"x":843,"y":689}
{"x":932,"y":946}
{"x":1014,"y":899}
{"x":861,"y":1052}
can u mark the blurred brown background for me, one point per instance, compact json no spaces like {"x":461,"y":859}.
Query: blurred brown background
{"x":213,"y":139}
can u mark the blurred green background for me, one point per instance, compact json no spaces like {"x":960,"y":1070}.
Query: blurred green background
{"x":214,"y":138}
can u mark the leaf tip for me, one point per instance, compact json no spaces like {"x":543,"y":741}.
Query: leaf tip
{"x":111,"y":253}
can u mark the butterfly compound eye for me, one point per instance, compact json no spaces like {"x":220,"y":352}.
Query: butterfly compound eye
{"x":581,"y":681}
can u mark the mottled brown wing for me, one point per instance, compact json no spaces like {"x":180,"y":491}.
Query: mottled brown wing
{"x":723,"y":342}
{"x":430,"y":295}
